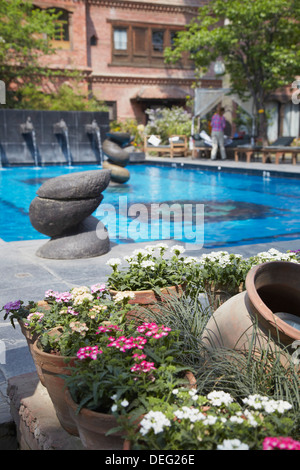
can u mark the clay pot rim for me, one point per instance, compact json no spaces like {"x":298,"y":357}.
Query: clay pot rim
{"x":45,"y":354}
{"x":261,"y":308}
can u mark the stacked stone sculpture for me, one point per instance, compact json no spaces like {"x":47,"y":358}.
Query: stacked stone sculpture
{"x":62,"y":210}
{"x":117,"y":157}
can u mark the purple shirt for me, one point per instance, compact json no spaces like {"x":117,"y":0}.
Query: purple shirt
{"x":218,"y":123}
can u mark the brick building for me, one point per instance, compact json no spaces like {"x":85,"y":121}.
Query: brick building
{"x":119,"y":45}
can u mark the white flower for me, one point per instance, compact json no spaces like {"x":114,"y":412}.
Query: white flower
{"x":148,"y":264}
{"x":79,"y":291}
{"x":114,"y":408}
{"x":177,"y":249}
{"x":155,"y":420}
{"x":126,"y":294}
{"x":114,"y":397}
{"x":251,"y":418}
{"x":161,"y":246}
{"x":259,"y":402}
{"x":192,"y":414}
{"x":236,"y":419}
{"x":140,"y":251}
{"x":219,"y":398}
{"x":210,"y":420}
{"x":232,"y":444}
{"x":80,"y":298}
{"x":113,"y":262}
{"x":124,"y":403}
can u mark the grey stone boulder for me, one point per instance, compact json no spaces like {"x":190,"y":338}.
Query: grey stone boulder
{"x":86,"y":240}
{"x":118,"y":174}
{"x":80,"y":185}
{"x":115,"y":153}
{"x":53,"y":217}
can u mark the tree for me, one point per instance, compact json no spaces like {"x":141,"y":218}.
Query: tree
{"x":25,"y":36}
{"x":258,"y":40}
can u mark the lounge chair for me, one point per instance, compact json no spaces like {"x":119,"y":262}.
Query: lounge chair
{"x":280,"y":148}
{"x":178,"y":144}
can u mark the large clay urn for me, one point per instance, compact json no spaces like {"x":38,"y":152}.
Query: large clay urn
{"x":267,"y":312}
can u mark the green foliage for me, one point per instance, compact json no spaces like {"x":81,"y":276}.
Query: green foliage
{"x":259,"y":44}
{"x":168,"y":121}
{"x":24,"y":38}
{"x":66,"y":99}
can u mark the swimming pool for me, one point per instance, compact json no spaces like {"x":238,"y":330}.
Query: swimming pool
{"x":238,"y":209}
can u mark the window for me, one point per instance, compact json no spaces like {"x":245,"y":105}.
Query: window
{"x":157,"y":40}
{"x":61,"y":38}
{"x":120,"y":39}
{"x":143,"y":45}
{"x":62,"y":26}
{"x":93,"y":40}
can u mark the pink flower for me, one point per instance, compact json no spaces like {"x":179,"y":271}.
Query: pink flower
{"x":144,"y":366}
{"x":124,"y":343}
{"x":88,"y":351}
{"x":98,"y":288}
{"x":104,"y":329}
{"x":280,"y":443}
{"x":152,"y":329}
{"x":138,"y":357}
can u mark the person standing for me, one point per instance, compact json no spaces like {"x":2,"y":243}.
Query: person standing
{"x":217,"y":134}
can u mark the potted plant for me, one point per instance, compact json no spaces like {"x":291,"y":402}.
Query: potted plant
{"x":150,"y":275}
{"x":215,"y":421}
{"x":113,"y":377}
{"x":70,"y":324}
{"x":220,"y":274}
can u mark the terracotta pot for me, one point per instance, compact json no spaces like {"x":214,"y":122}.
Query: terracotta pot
{"x":271,"y":288}
{"x":93,"y":426}
{"x":51,"y":367}
{"x":31,"y":338}
{"x":148,"y":299}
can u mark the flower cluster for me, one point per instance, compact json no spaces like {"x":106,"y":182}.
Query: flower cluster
{"x":143,"y":366}
{"x":123,"y":344}
{"x":259,"y":402}
{"x":154,"y":420}
{"x":154,"y":266}
{"x":280,"y":443}
{"x":213,"y":422}
{"x":88,"y":352}
{"x":34,"y":317}
{"x":154,"y":330}
{"x":11,"y":306}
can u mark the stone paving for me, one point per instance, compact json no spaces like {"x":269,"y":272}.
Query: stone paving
{"x":25,"y":276}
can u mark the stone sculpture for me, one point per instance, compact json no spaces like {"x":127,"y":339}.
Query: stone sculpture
{"x":62,"y":210}
{"x":118,"y":158}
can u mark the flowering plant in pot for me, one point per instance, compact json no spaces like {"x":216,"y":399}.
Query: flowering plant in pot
{"x":151,"y":273}
{"x":114,"y":375}
{"x":219,"y":274}
{"x":212,"y":422}
{"x":71,"y":323}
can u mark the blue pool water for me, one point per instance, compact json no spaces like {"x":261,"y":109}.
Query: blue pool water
{"x":238,"y":209}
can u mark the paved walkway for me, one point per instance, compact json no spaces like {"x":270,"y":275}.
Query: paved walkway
{"x":25,"y":276}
